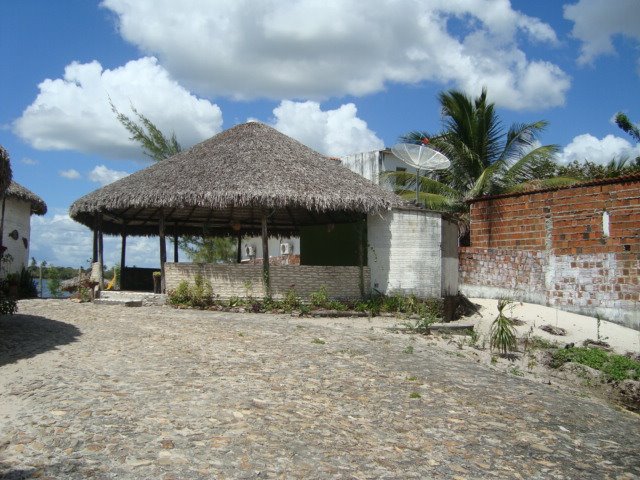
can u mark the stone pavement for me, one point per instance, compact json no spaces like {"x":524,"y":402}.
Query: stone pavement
{"x":98,"y":391}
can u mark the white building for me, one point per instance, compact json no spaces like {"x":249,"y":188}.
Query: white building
{"x":17,"y":207}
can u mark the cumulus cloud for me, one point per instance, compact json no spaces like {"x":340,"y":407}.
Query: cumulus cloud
{"x":103,"y":175}
{"x":71,"y":174}
{"x":29,"y":161}
{"x":61,"y":241}
{"x":314,"y":50}
{"x":73,"y":112}
{"x":596,"y":22}
{"x":331,"y":132}
{"x":587,"y":147}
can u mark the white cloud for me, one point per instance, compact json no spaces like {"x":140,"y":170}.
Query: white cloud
{"x":313,"y":50}
{"x":331,"y":132}
{"x":587,"y":147}
{"x":29,"y":161}
{"x":596,"y":22}
{"x":71,"y":174}
{"x":61,"y":241}
{"x":73,"y":112}
{"x":103,"y":175}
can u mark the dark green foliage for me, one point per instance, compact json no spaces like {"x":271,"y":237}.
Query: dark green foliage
{"x":484,"y":158}
{"x":27,"y":285}
{"x":209,"y":249}
{"x":614,"y":367}
{"x":8,"y":304}
{"x":625,"y":124}
{"x":594,"y":171}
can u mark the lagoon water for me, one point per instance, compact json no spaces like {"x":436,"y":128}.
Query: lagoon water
{"x":45,"y":290}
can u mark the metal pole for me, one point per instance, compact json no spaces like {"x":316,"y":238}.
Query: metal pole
{"x":417,"y":186}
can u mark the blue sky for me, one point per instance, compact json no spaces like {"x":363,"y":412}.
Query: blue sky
{"x":341,"y":76}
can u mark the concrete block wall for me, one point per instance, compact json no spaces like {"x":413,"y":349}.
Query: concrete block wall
{"x":576,"y":248}
{"x":405,"y":253}
{"x":243,"y":280}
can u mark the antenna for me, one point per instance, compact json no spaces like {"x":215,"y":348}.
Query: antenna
{"x":421,"y":157}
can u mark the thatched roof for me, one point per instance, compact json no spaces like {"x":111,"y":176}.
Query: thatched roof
{"x":16,"y":190}
{"x":5,"y":170}
{"x":228,"y":179}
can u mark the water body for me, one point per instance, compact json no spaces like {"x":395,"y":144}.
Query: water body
{"x":46,"y":293}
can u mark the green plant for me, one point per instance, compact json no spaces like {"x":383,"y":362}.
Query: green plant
{"x":408,"y":349}
{"x":319,"y":298}
{"x":27,"y":285}
{"x":414,"y":395}
{"x":412,"y":379}
{"x":198,"y":295}
{"x":614,"y":367}
{"x":84,"y":294}
{"x":502,"y":333}
{"x":516,"y":371}
{"x":421,"y":325}
{"x":291,"y":301}
{"x":318,"y":341}
{"x":494,"y":359}
{"x":53,"y":281}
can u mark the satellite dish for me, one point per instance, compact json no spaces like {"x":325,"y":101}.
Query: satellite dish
{"x":421,"y":157}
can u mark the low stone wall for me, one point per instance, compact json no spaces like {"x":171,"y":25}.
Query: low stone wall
{"x":243,"y":280}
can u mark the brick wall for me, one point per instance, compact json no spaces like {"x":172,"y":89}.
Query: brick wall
{"x":577,"y":248}
{"x":242,"y":280}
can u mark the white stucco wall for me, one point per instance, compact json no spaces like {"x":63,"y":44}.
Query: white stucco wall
{"x":17,"y":216}
{"x":405,"y":253}
{"x":371,"y":164}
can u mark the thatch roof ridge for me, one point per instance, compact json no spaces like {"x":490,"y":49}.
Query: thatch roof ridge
{"x":16,"y":190}
{"x":248,"y":165}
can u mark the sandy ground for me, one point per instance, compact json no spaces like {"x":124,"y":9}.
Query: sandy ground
{"x":579,"y":327}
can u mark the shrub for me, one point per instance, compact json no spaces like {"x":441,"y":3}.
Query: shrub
{"x":198,"y":295}
{"x":320,"y":299}
{"x":8,"y":304}
{"x":27,"y":285}
{"x":503,"y":334}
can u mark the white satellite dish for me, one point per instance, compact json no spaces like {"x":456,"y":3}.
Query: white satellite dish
{"x":421,"y":157}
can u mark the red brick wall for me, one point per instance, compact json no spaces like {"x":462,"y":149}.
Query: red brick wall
{"x":551,"y":246}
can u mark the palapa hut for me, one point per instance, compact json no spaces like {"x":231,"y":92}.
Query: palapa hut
{"x":250,"y":179}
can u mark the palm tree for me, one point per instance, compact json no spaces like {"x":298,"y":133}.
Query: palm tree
{"x":484,"y":158}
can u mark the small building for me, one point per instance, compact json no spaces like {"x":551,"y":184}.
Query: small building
{"x":18,"y":205}
{"x":251,"y":180}
{"x":575,"y":247}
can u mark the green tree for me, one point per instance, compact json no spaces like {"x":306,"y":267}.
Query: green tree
{"x":626,"y":125}
{"x":485,"y":159}
{"x":158,"y":146}
{"x":53,"y":282}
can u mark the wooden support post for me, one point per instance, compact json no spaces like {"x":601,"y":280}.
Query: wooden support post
{"x":239,"y":251}
{"x":163,"y":251}
{"x":361,"y":244}
{"x":96,"y":227}
{"x":266,"y":282}
{"x":100,"y":256}
{"x":123,"y":256}
{"x":175,"y":247}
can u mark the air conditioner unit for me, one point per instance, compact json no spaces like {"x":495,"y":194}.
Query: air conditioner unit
{"x":286,"y":249}
{"x":250,"y":250}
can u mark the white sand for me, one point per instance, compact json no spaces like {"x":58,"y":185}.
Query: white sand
{"x":578,"y":327}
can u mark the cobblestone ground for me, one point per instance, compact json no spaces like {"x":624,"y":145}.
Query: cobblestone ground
{"x":90,"y":391}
